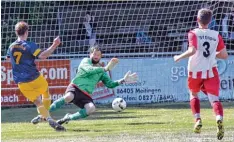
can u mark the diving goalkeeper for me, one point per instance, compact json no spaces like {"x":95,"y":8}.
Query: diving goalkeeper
{"x":80,"y":90}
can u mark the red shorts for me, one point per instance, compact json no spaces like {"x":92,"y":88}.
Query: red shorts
{"x":210,"y":85}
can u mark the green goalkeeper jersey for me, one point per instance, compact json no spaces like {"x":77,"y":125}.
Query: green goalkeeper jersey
{"x":88,"y":76}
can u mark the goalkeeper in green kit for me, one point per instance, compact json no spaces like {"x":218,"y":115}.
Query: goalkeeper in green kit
{"x":80,"y":90}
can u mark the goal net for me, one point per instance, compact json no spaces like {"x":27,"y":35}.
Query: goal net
{"x":143,"y":34}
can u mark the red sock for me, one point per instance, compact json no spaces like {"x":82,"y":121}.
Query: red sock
{"x":195,"y":107}
{"x":218,"y":108}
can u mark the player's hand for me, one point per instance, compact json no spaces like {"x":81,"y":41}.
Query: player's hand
{"x":176,"y":58}
{"x":57,"y":41}
{"x":113,"y":62}
{"x":130,"y":77}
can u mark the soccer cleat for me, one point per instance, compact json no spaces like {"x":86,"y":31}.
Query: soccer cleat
{"x":55,"y":125}
{"x":37,"y":119}
{"x":65,"y":119}
{"x":197,"y":126}
{"x":220,"y":129}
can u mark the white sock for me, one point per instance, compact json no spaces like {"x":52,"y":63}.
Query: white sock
{"x":197,"y":115}
{"x":219,"y":117}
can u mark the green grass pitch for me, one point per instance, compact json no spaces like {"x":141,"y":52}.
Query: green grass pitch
{"x":153,"y":122}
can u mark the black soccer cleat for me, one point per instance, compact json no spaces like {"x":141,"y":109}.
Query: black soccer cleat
{"x":65,"y":119}
{"x":220,"y":130}
{"x":197,"y":126}
{"x":56,"y":126}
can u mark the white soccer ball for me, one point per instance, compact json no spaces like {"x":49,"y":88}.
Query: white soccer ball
{"x":119,"y":104}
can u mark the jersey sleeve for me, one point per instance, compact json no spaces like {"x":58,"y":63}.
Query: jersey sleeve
{"x":34,"y":49}
{"x":192,"y":39}
{"x":108,"y":82}
{"x":221,"y":44}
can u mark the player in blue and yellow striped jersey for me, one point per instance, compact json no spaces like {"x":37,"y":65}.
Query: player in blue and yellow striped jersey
{"x":31,"y":83}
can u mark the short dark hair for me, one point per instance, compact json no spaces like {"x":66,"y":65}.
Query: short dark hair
{"x":21,"y":28}
{"x":95,"y":48}
{"x":204,"y":15}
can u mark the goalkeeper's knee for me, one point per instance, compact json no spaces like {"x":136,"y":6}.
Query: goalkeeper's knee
{"x":90,"y":108}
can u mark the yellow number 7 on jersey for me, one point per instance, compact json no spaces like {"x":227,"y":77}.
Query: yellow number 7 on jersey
{"x":18,"y":56}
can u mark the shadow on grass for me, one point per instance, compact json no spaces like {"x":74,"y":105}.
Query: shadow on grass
{"x":109,"y":117}
{"x":146,"y":123}
{"x":111,"y":112}
{"x":133,"y":123}
{"x":86,"y":130}
{"x":15,"y":115}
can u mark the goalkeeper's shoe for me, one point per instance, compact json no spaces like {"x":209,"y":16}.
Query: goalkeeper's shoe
{"x":220,"y":129}
{"x":65,"y":119}
{"x":197,"y":126}
{"x":55,"y":125}
{"x":37,"y":119}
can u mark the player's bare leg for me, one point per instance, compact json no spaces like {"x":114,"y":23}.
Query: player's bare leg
{"x":195,"y":107}
{"x":218,"y":110}
{"x":45,"y":114}
{"x":46,"y":100}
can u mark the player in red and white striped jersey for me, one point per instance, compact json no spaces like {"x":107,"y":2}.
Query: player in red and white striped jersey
{"x":205,"y":46}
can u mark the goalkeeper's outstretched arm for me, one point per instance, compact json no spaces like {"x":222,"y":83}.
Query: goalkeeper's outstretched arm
{"x":89,"y":69}
{"x":128,"y":78}
{"x":108,"y":82}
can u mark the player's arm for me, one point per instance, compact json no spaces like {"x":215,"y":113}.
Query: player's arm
{"x":221,"y":51}
{"x":128,"y":78}
{"x":191,"y":50}
{"x":108,"y":82}
{"x":8,"y":55}
{"x":222,"y":54}
{"x":45,"y":54}
{"x":87,"y":67}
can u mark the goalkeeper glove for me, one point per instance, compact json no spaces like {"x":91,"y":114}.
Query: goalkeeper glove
{"x":129,"y":78}
{"x":113,"y":62}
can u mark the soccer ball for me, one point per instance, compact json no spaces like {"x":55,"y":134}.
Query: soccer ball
{"x":119,"y":104}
